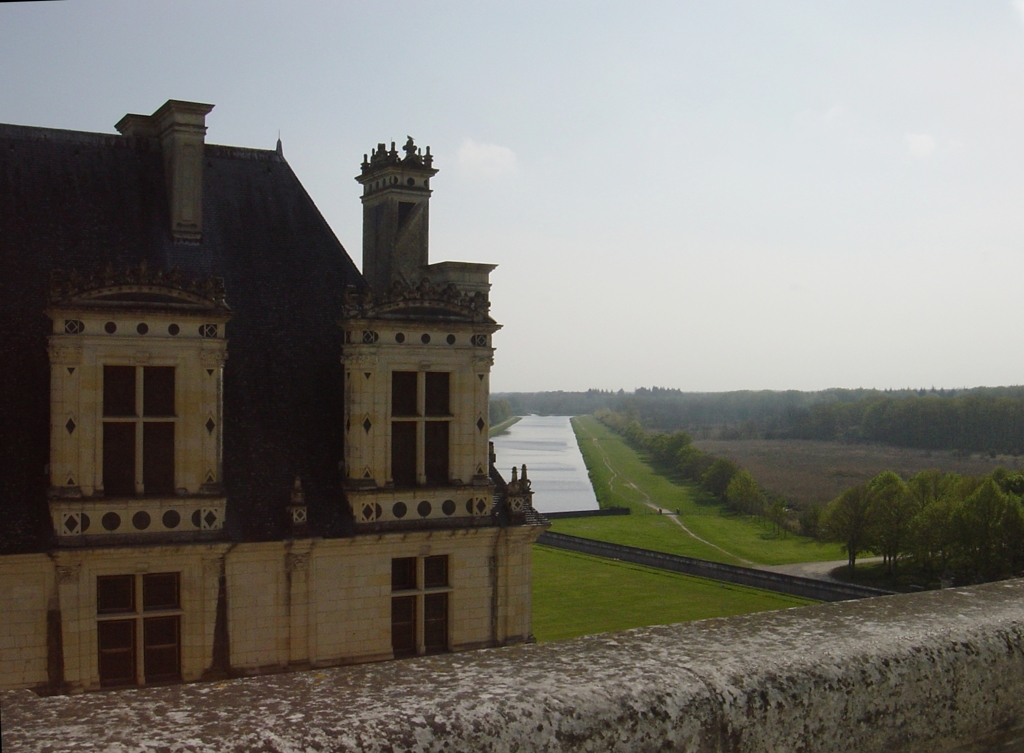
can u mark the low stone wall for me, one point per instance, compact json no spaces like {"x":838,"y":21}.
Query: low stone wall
{"x":901,"y":674}
{"x":602,"y":513}
{"x":795,"y":585}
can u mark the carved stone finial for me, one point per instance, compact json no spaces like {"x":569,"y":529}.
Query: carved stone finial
{"x":297,"y":508}
{"x":518,"y":496}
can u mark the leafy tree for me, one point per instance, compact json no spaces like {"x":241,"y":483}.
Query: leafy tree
{"x":892,"y":508}
{"x":810,"y":520}
{"x":991,"y":531}
{"x":1010,"y":483}
{"x":743,"y":495}
{"x":933,"y":533}
{"x":692,"y":463}
{"x":500,"y":410}
{"x":666,"y":447}
{"x":847,"y":521}
{"x":777,"y":515}
{"x":718,"y":475}
{"x":635,"y":434}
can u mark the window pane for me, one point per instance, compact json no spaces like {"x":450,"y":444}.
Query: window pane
{"x":435,"y":623}
{"x":118,"y":459}
{"x":435,"y":460}
{"x":403,"y":573}
{"x":403,"y":453}
{"x":115,"y":593}
{"x":403,"y":625}
{"x":160,"y":591}
{"x":161,"y":649}
{"x":158,"y":391}
{"x":436,"y":399}
{"x":118,"y":390}
{"x":116,"y":652}
{"x":158,"y":457}
{"x":161,"y":631}
{"x":435,"y":572}
{"x":403,"y":393}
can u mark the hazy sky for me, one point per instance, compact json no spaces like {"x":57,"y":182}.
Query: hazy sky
{"x":706,"y":195}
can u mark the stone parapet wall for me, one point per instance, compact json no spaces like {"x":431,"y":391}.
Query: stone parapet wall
{"x":925,"y":672}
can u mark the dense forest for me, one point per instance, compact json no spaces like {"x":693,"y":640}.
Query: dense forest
{"x":982,"y":419}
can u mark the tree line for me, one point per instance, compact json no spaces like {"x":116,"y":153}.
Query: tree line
{"x":984,"y":419}
{"x":945,"y":525}
{"x":722,"y":479}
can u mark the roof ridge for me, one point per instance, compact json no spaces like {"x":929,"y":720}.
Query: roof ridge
{"x":38,"y":133}
{"x":93,"y":138}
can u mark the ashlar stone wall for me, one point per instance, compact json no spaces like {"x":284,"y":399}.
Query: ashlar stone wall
{"x":289,"y":604}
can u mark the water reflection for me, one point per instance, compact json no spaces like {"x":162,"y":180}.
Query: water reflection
{"x":548,"y":446}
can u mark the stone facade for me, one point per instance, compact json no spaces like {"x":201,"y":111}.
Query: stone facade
{"x":325,"y":496}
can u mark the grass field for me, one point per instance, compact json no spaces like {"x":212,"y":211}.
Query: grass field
{"x":622,"y":478}
{"x":804,"y":471}
{"x":576,"y":594}
{"x":503,"y":426}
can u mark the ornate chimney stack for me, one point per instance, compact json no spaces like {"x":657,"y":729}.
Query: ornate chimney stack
{"x":396,"y":196}
{"x":181,"y":129}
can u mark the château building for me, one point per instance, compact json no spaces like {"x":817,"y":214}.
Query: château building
{"x":225,"y":450}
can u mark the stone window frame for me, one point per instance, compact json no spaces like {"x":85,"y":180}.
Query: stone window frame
{"x":139,"y":615}
{"x":421,"y":417}
{"x":420,"y":596}
{"x":139,"y":419}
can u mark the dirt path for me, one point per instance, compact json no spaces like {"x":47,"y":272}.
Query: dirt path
{"x":818,"y":570}
{"x":647,"y":501}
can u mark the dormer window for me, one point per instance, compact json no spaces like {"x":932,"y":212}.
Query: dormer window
{"x":136,"y":417}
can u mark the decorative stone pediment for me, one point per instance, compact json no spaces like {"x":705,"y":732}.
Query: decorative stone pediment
{"x":140,"y":286}
{"x":425,"y":300}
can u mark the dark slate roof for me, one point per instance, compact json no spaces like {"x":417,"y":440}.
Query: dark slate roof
{"x":80,"y":201}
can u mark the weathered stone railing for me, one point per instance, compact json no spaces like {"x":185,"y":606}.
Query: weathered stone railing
{"x":923,"y":672}
{"x":795,"y":585}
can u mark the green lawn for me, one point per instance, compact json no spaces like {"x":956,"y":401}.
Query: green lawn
{"x":576,"y":594}
{"x":503,"y":426}
{"x":630,"y":477}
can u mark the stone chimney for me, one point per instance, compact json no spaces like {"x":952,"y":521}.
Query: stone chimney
{"x":181,"y":129}
{"x":396,"y":197}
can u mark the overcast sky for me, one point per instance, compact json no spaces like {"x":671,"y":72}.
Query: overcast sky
{"x":707,"y":195}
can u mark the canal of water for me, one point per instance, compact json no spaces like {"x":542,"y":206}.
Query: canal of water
{"x":547,"y":445}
